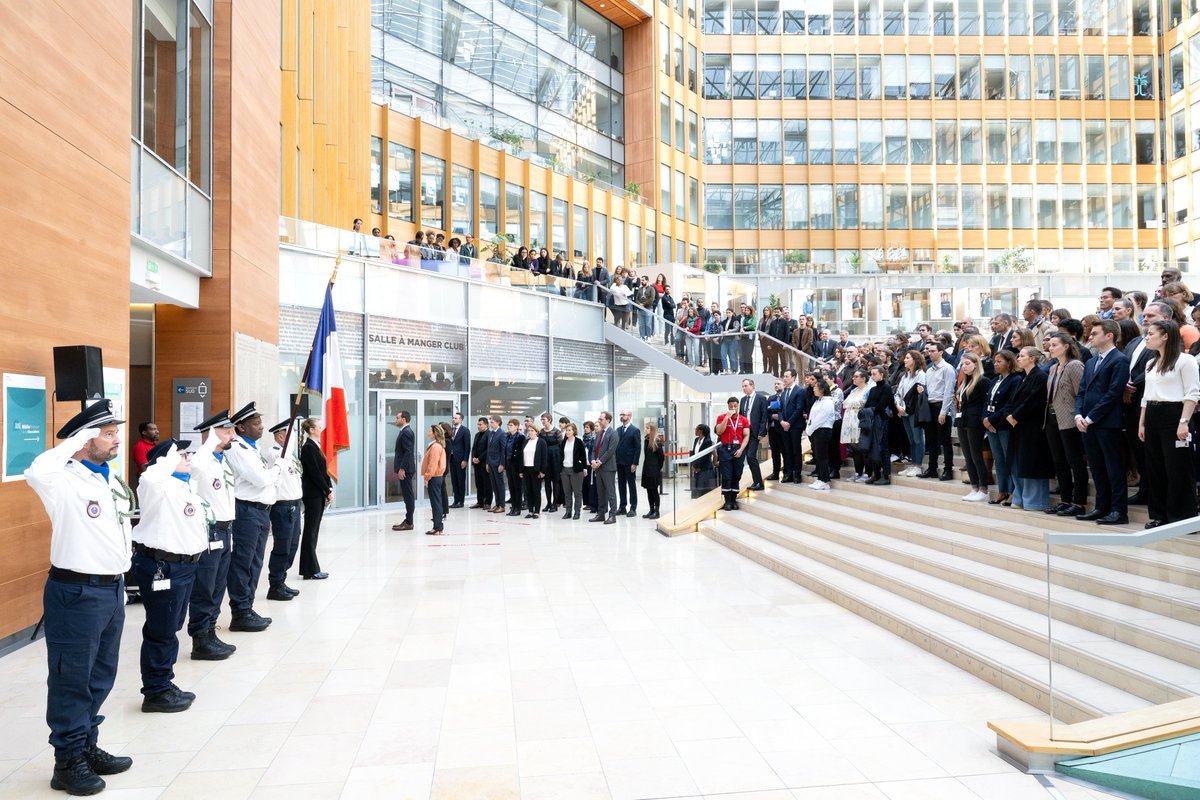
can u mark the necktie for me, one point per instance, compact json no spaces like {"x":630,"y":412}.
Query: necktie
{"x":599,"y":439}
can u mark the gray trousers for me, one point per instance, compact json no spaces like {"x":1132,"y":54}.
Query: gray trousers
{"x":606,"y":493}
{"x":572,"y":490}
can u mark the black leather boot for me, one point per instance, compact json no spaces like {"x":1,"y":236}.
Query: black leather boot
{"x":212,"y":633}
{"x":104,"y":763}
{"x":205,"y":648}
{"x":75,"y":776}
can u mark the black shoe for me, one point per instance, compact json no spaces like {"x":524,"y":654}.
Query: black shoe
{"x":631,"y":512}
{"x":549,"y":507}
{"x":947,"y":475}
{"x":250,"y":622}
{"x":319,"y":576}
{"x":727,"y":507}
{"x":277,"y":592}
{"x":1113,"y":519}
{"x":610,"y":521}
{"x":787,"y":479}
{"x":575,"y":515}
{"x":652,"y":515}
{"x":1154,"y":523}
{"x":621,"y":511}
{"x":771,"y":478}
{"x":402,"y":526}
{"x":1138,"y":498}
{"x":812,"y":474}
{"x":929,"y":473}
{"x":1057,"y":509}
{"x":188,"y":695}
{"x":568,"y":515}
{"x":871,"y":480}
{"x":457,"y":505}
{"x":647,"y":515}
{"x":212,"y":632}
{"x":529,"y":516}
{"x":884,"y":482}
{"x":513,"y":513}
{"x":1071,"y":510}
{"x":535,"y":516}
{"x":290,"y":590}
{"x":735,"y":506}
{"x":1092,"y":515}
{"x":207,"y":647}
{"x":597,"y":518}
{"x":757,"y":487}
{"x":104,"y":763}
{"x":75,"y":776}
{"x":171,"y":701}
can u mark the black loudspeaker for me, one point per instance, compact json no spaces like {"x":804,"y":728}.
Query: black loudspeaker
{"x":302,"y":413}
{"x":78,"y":373}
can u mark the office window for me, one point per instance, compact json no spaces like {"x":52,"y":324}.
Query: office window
{"x":433,"y":192}
{"x":897,"y":207}
{"x":845,"y":141}
{"x":1020,"y":196}
{"x":462,"y":200}
{"x":818,"y":22}
{"x":1119,"y":141}
{"x":1043,"y":17}
{"x":768,"y":77}
{"x":489,"y":206}
{"x":558,"y":226}
{"x":795,"y":141}
{"x":718,"y":141}
{"x":664,"y":188}
{"x":1147,"y":206}
{"x":693,"y":201}
{"x":972,"y":206}
{"x":600,"y":237}
{"x":997,"y":141}
{"x":770,"y":141}
{"x":514,"y":211}
{"x":768,"y":17}
{"x":920,"y":77}
{"x":920,"y":141}
{"x":870,"y":206}
{"x":664,"y":118}
{"x":376,"y":175}
{"x":893,"y":17}
{"x":795,"y":207}
{"x":997,"y":200}
{"x":1020,"y":139}
{"x":770,"y":207}
{"x":664,"y":40}
{"x":846,"y":201}
{"x":1020,"y":80}
{"x":868,"y":17}
{"x":870,"y":141}
{"x":718,"y":206}
{"x":1144,"y":140}
{"x":845,"y":77}
{"x":918,"y":17}
{"x":793,"y":16}
{"x":947,"y":207}
{"x":680,"y":196}
{"x":745,"y":207}
{"x":895,"y":78}
{"x":1072,"y":206}
{"x":1096,"y":141}
{"x":1178,"y":135}
{"x":538,"y":222}
{"x":1097,"y":206}
{"x":993,"y":17}
{"x":677,"y":58}
{"x":843,"y":17}
{"x":1047,"y":141}
{"x":1118,"y":77}
{"x":744,"y":77}
{"x":1122,"y":205}
{"x":1118,"y":17}
{"x":1068,"y":77}
{"x":1018,"y":18}
{"x":401,"y":164}
{"x":1068,"y":22}
{"x":820,"y":207}
{"x":1093,"y":17}
{"x":1047,"y":206}
{"x":945,"y":77}
{"x":693,"y":58}
{"x":818,"y":77}
{"x":795,"y":78}
{"x":870,"y":78}
{"x":968,"y":17}
{"x":680,"y":135}
{"x":693,"y":134}
{"x":896,"y":140}
{"x":1143,"y":77}
{"x":1093,"y":77}
{"x":718,"y":76}
{"x":745,"y":141}
{"x":994,"y":77}
{"x":580,"y":243}
{"x":820,"y":141}
{"x":1071,"y":140}
{"x":922,"y":206}
{"x":943,"y":17}
{"x":968,"y":77}
{"x":971,"y":138}
{"x":716,"y":16}
{"x":1194,"y":59}
{"x":1175,"y":65}
{"x":1043,"y":78}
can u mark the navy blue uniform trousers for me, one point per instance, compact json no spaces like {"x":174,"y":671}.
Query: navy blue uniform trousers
{"x":166,"y":610}
{"x":212,"y":573}
{"x":250,"y":530}
{"x":285,"y":527}
{"x":83,"y":638}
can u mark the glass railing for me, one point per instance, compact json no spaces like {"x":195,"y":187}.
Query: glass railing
{"x":1123,"y":619}
{"x":691,"y":476}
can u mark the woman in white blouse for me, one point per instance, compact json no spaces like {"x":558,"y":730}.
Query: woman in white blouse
{"x":820,"y":431}
{"x":1172,"y":389}
{"x":851,"y":429}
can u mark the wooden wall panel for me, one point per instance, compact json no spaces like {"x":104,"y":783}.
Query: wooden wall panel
{"x":64,"y":228}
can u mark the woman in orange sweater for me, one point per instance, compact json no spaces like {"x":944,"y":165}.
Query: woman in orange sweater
{"x":433,"y":468}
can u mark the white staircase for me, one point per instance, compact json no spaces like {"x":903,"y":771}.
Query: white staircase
{"x":967,"y":582}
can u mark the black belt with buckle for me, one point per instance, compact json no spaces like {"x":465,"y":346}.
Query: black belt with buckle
{"x":163,"y":555}
{"x":223,"y":525}
{"x":263,"y":506}
{"x":70,"y":576}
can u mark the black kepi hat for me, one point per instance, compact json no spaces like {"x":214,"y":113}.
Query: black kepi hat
{"x":244,"y":413}
{"x":218,"y":420}
{"x":162,"y":448}
{"x":98,"y":414}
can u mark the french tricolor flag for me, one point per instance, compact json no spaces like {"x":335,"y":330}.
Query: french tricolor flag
{"x":325,"y":378}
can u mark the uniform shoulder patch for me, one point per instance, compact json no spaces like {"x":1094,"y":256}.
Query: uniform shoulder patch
{"x":243,"y":445}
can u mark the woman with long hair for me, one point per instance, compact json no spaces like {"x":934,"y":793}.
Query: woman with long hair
{"x":589,"y":445}
{"x":881,"y":400}
{"x":533,"y":459}
{"x":820,"y":431}
{"x":908,"y":400}
{"x":1064,"y":439}
{"x":995,"y":421}
{"x":554,"y":460}
{"x":704,"y":469}
{"x":851,"y":428}
{"x":522,"y":260}
{"x":574,"y":470}
{"x":1172,"y":389}
{"x":653,"y":458}
{"x":970,"y":400}
{"x":433,"y":468}
{"x":316,"y":494}
{"x":1031,"y":470}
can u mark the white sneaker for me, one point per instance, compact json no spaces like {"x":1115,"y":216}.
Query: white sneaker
{"x":979,"y":497}
{"x":895,"y":458}
{"x":820,"y":486}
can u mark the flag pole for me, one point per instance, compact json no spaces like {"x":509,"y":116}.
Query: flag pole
{"x":307,"y":367}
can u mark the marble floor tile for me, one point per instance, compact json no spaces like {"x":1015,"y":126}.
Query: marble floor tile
{"x":727,"y":765}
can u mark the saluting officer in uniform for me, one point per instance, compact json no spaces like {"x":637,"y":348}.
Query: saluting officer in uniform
{"x":84,"y":599}
{"x":212,"y":479}
{"x":285,"y":513}
{"x":169,"y":541}
{"x":254,"y":490}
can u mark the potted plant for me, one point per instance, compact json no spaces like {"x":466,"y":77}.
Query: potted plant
{"x":1015,"y":259}
{"x":496,"y":247}
{"x":715,"y":267}
{"x":509,"y":140}
{"x":948,"y":264}
{"x":634,"y":189}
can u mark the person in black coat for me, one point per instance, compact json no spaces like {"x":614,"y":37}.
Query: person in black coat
{"x":704,"y":469}
{"x":653,"y":458}
{"x":774,"y":431}
{"x":552,"y":436}
{"x":458,"y":451}
{"x":405,"y":467}
{"x":881,"y":400}
{"x":514,"y":448}
{"x":1026,"y":451}
{"x":970,"y":402}
{"x":589,"y":481}
{"x":667,"y":303}
{"x":995,"y":421}
{"x":483,"y":484}
{"x":317,"y":492}
{"x":574,"y":470}
{"x":629,"y":453}
{"x":532,"y":466}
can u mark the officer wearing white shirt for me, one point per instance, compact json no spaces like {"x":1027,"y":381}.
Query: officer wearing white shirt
{"x":170,"y":539}
{"x":212,"y":479}
{"x":285,"y":513}
{"x":254,"y":490}
{"x":84,"y":598}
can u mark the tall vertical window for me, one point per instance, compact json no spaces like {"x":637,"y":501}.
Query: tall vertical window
{"x":664,"y":119}
{"x":1021,"y":197}
{"x":664,"y":188}
{"x":376,"y":175}
{"x":896,"y":141}
{"x":1118,"y":77}
{"x":514,"y":211}
{"x":580,"y":243}
{"x":895,"y":77}
{"x":680,"y":134}
{"x":994,"y":77}
{"x":770,"y":207}
{"x":433,"y":192}
{"x":795,"y":77}
{"x":869,"y":77}
{"x":845,"y":141}
{"x":680,"y":196}
{"x":1093,"y":77}
{"x":600,"y":236}
{"x":820,"y":141}
{"x":558,"y":229}
{"x":920,"y":77}
{"x":718,"y":141}
{"x":795,"y":141}
{"x":401,"y":163}
{"x":1047,"y":141}
{"x":538,"y":222}
{"x":462,"y":200}
{"x":745,"y":141}
{"x":745,"y":77}
{"x":1020,"y":140}
{"x":693,"y":201}
{"x":845,"y":77}
{"x":693,"y":134}
{"x":870,"y":144}
{"x":1175,"y":65}
{"x":770,"y":141}
{"x":920,"y":141}
{"x":489,"y":206}
{"x":768,"y":77}
{"x":717,"y":76}
{"x":818,"y":77}
{"x":997,"y":203}
{"x":947,"y":141}
{"x":1020,"y":82}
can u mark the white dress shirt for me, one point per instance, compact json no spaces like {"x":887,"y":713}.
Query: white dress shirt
{"x":255,"y":481}
{"x":88,"y":534}
{"x":287,"y":485}
{"x":1180,"y":383}
{"x":530,"y":454}
{"x":822,"y":415}
{"x":212,"y":479}
{"x":939,"y":386}
{"x":173,"y":516}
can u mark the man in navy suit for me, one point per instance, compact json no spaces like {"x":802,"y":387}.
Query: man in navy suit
{"x":460,"y":451}
{"x":824,"y":347}
{"x":791,"y":407}
{"x":753,"y":406}
{"x":497,"y":457}
{"x":629,"y":455}
{"x":405,"y":466}
{"x":1098,"y":416}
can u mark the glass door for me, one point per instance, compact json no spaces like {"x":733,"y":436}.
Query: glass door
{"x":424,"y":409}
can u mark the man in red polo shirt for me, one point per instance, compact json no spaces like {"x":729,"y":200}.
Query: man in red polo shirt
{"x":147,"y":438}
{"x":733,"y":429}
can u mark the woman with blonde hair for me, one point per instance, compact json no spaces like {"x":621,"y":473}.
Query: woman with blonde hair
{"x":316,"y":493}
{"x":433,"y":468}
{"x":653,"y":458}
{"x":970,"y":401}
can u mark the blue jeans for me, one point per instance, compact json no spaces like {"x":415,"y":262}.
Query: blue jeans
{"x":916,"y":439}
{"x":999,"y":446}
{"x":731,"y":354}
{"x":645,"y":322}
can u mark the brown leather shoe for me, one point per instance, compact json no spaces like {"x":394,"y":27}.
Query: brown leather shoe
{"x":403,"y":526}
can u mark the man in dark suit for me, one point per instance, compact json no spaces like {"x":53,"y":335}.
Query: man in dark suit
{"x":1098,"y":416}
{"x":405,"y":467}
{"x":1139,"y":355}
{"x":459,"y":448}
{"x":629,"y":455}
{"x":479,"y":449}
{"x":825,"y":346}
{"x":753,"y":406}
{"x":791,"y":403}
{"x":1001,"y":332}
{"x":775,"y":430}
{"x":604,"y":469}
{"x":497,"y":457}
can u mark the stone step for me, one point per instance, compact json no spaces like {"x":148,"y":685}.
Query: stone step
{"x":1016,"y":531}
{"x":984,"y":567}
{"x":1020,"y":672}
{"x":1149,"y":676}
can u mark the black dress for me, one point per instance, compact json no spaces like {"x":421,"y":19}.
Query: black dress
{"x":315,"y":486}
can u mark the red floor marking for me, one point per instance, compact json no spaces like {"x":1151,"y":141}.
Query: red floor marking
{"x":465,"y":544}
{"x":481,"y":533}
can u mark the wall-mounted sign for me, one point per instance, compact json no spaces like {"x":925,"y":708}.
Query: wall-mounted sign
{"x":24,"y":423}
{"x":190,"y":399}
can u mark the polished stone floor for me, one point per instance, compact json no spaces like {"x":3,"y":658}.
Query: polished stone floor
{"x":542,"y":660}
